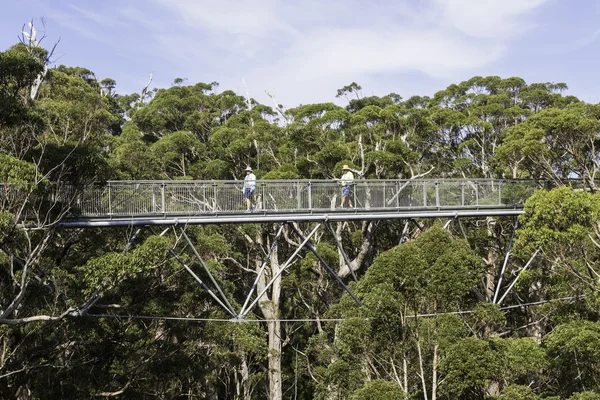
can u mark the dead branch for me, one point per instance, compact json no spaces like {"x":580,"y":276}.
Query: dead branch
{"x":279,"y":108}
{"x":145,"y":90}
{"x":19,"y":321}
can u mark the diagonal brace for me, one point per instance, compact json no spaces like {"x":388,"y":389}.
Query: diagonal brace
{"x":341,"y":249}
{"x":510,"y":244}
{"x":197,"y":278}
{"x":517,"y":277}
{"x":262,"y":268}
{"x":337,"y":278}
{"x":97,"y":295}
{"x":214,"y":282}
{"x":285,"y":265}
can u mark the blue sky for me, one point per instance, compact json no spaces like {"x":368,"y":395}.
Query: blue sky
{"x":303,"y":51}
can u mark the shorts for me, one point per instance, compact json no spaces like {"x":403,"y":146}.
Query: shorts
{"x":248,"y":193}
{"x":346,"y":191}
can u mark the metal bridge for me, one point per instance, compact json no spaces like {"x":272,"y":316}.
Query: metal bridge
{"x":130,"y":203}
{"x":178,"y":204}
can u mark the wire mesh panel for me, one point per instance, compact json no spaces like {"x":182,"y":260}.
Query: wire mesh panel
{"x":283,"y":196}
{"x":489,"y":192}
{"x":370,"y":195}
{"x":469,"y":193}
{"x":430,"y":198}
{"x":410,"y":194}
{"x":450,"y":193}
{"x":131,"y":199}
{"x":94,"y":201}
{"x":515,"y":193}
{"x":228,"y":197}
{"x":178,"y":198}
{"x":122,"y":198}
{"x":326,"y":195}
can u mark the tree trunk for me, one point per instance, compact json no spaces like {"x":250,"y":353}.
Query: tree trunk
{"x":422,"y":369}
{"x":492,"y":270}
{"x":270,"y":310}
{"x":434,"y":377}
{"x":368,"y":230}
{"x":536,"y":325}
{"x":275,"y":389}
{"x":35,"y":86}
{"x":242,"y":384}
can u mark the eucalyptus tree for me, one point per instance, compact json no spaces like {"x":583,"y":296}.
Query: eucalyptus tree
{"x":559,"y":240}
{"x":575,"y":352}
{"x":51,"y":144}
{"x":385,"y":338}
{"x":556,"y":144}
{"x":194,"y":108}
{"x":74,"y":132}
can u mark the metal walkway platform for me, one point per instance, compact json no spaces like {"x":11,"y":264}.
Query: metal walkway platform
{"x":178,"y":204}
{"x":131,"y":203}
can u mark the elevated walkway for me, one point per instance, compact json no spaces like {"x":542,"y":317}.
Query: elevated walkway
{"x":131,"y":203}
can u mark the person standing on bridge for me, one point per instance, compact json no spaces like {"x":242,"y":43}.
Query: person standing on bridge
{"x":346,"y":180}
{"x":249,"y":188}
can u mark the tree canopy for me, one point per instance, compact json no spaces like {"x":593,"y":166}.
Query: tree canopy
{"x":448,"y":309}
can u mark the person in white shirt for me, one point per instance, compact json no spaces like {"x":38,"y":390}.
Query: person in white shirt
{"x":249,"y":188}
{"x":346,"y":180}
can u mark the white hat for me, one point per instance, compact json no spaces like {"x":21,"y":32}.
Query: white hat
{"x":345,"y":166}
{"x":248,"y":168}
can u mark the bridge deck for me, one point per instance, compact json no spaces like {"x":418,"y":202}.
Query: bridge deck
{"x":120,"y":203}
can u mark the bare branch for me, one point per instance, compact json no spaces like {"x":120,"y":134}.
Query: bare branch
{"x":19,"y":321}
{"x":279,"y":108}
{"x":145,"y":90}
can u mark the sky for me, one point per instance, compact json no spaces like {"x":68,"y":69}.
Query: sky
{"x":302,"y":51}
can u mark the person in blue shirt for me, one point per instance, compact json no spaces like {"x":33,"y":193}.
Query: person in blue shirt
{"x":249,"y":188}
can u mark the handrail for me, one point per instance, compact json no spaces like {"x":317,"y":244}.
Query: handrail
{"x":168,"y":198}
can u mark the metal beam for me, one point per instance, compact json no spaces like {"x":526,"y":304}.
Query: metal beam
{"x":462,"y":229}
{"x":210,"y":292}
{"x":327,"y":267}
{"x":97,"y":295}
{"x":285,"y":265}
{"x":510,"y":244}
{"x":341,"y":249}
{"x":287,"y":217}
{"x":214,"y":282}
{"x":404,"y":232}
{"x":517,"y":277}
{"x":262,"y":268}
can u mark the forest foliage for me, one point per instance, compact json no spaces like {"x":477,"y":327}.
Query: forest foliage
{"x":449,"y":309}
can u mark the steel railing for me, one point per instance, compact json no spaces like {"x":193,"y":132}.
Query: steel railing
{"x":156,"y":198}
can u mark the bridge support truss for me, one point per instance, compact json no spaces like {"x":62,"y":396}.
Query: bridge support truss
{"x":219,"y":296}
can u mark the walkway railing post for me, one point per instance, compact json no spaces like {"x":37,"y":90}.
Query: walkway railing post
{"x":163,"y":206}
{"x":109,"y":200}
{"x":132,"y":198}
{"x":153,"y":199}
{"x":215,"y":197}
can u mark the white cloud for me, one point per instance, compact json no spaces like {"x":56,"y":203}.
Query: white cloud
{"x":306,"y":48}
{"x":498,"y":19}
{"x":96,"y":17}
{"x":241,"y":17}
